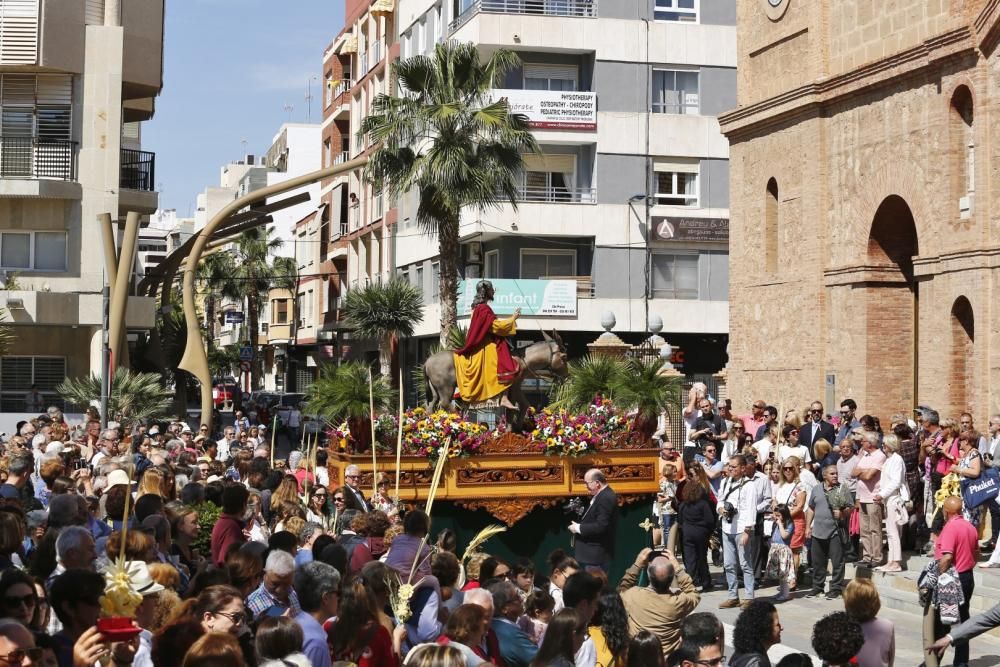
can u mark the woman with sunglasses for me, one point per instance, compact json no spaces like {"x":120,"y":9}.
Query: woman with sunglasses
{"x":792,"y":495}
{"x":18,"y":598}
{"x":319,"y":510}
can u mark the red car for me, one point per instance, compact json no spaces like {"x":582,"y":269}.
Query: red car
{"x":226,"y":395}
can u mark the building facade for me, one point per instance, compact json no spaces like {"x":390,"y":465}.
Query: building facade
{"x":864,"y":245}
{"x":78,"y":79}
{"x":625,"y":210}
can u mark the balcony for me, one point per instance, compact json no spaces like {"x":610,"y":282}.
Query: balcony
{"x":343,"y":157}
{"x":138,"y":170}
{"x":137,"y":182}
{"x":556,"y":195}
{"x":375,"y":56}
{"x":572,"y":8}
{"x":354,"y":217}
{"x":34,"y":157}
{"x":340,"y":89}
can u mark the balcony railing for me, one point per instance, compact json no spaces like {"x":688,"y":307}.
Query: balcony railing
{"x":32,"y":157}
{"x":580,"y":8}
{"x":138,"y":170}
{"x":363,"y":62}
{"x":375,"y":56}
{"x":342,"y":158}
{"x":557,"y":195}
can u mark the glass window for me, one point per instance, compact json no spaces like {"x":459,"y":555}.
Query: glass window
{"x":674,"y":276}
{"x":676,"y":10}
{"x":15,"y":250}
{"x":50,"y":251}
{"x":435,"y":282}
{"x":536,"y":264}
{"x":676,"y":188}
{"x":675,"y":91}
{"x":281,"y":311}
{"x":420,"y":280}
{"x":493,"y":264}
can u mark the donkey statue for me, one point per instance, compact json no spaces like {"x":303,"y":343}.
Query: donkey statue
{"x":544,"y":359}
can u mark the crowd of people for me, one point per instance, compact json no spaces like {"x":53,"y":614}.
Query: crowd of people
{"x":773,"y":499}
{"x":242,"y":560}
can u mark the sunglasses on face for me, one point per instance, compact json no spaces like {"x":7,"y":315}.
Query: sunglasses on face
{"x":17,"y":656}
{"x":792,"y":469}
{"x":236,"y":618}
{"x":338,"y":499}
{"x":816,"y":412}
{"x":11,"y":601}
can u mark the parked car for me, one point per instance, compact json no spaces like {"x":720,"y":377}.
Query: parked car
{"x":226,"y":394}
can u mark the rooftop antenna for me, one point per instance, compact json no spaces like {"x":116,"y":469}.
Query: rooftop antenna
{"x":309,"y":97}
{"x":289,"y":109}
{"x":243,"y":148}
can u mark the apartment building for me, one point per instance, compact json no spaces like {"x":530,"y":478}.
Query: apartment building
{"x":625,"y":211}
{"x":77,"y":80}
{"x":354,"y":223}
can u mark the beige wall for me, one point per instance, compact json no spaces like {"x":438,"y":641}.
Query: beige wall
{"x":143,"y":61}
{"x":61,"y":44}
{"x":68,"y":342}
{"x":836,"y":303}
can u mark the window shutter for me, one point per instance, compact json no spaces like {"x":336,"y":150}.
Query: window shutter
{"x":566,"y":72}
{"x":18,"y":32}
{"x":94,"y":12}
{"x":562,"y":164}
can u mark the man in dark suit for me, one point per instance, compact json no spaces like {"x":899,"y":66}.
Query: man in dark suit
{"x":352,"y":475}
{"x":816,"y":428}
{"x":595,"y":533}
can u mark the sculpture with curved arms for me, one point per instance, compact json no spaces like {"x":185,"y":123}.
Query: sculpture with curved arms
{"x":195,"y":359}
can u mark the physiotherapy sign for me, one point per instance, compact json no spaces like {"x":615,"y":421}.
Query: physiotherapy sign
{"x":554,"y":298}
{"x":553,"y":109}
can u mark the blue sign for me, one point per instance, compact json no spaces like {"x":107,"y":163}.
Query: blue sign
{"x":246,"y":353}
{"x":233,"y":317}
{"x":534,"y":297}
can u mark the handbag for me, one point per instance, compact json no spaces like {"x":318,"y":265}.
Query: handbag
{"x":982,"y":489}
{"x":855,"y":523}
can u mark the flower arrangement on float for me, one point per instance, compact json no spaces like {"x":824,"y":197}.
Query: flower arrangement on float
{"x":425,"y":433}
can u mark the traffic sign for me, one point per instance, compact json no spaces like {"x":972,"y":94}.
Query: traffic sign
{"x":244,"y":366}
{"x":246,"y":353}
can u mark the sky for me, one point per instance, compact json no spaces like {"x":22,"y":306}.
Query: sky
{"x":229,"y":69}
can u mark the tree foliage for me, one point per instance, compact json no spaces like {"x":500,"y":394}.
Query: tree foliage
{"x":6,"y":333}
{"x":133,"y":396}
{"x":447,"y":138}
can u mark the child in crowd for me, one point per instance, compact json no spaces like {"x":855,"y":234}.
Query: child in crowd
{"x":779,"y":558}
{"x":665,"y":506}
{"x":537,"y":614}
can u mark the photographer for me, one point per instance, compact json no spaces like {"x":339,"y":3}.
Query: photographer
{"x":710,"y":428}
{"x":657,"y":608}
{"x":738,"y":501}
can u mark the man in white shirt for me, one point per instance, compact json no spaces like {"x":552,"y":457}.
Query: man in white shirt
{"x":228,"y":434}
{"x":738,"y":500}
{"x":691,"y":415}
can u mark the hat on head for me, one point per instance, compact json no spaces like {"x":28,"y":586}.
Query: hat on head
{"x":186,"y":429}
{"x":200,"y":438}
{"x":37,"y":518}
{"x":153,"y":430}
{"x":117,"y":477}
{"x":138,"y":576}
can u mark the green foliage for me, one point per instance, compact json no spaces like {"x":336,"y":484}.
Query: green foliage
{"x":379,"y":310}
{"x":341,"y":393}
{"x":208,"y":516}
{"x":646,"y":390}
{"x":447,"y":139}
{"x":222,"y":360}
{"x":456,"y":337}
{"x":133,"y":396}
{"x":594,"y":375}
{"x":6,"y":333}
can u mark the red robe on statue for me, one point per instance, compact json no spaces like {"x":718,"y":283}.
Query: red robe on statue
{"x":485,"y":348}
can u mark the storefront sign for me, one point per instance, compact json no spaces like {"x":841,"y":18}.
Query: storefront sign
{"x":533,"y":297}
{"x":691,"y":229}
{"x":553,"y":109}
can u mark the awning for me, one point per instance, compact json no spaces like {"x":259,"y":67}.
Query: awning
{"x":383,"y":7}
{"x":350,"y":45}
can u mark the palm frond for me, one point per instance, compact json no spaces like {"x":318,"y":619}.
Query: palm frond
{"x":382,"y":309}
{"x":646,"y":389}
{"x":134,"y":397}
{"x":341,"y":392}
{"x":6,"y":333}
{"x":592,"y":376}
{"x":481,"y":538}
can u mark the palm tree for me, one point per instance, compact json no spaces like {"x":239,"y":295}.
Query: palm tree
{"x":385,"y":312}
{"x":215,"y":274}
{"x":6,"y":333}
{"x":447,"y":138}
{"x":341,"y":393}
{"x":133,"y":397}
{"x":256,"y":273}
{"x":594,"y":375}
{"x":645,"y":389}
